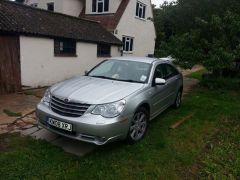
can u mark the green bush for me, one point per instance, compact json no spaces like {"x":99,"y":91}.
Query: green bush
{"x":199,"y":32}
{"x":226,"y":83}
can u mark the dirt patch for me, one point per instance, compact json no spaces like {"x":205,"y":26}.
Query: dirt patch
{"x":16,"y":103}
{"x":189,"y":71}
{"x":189,"y":84}
{"x":34,"y":92}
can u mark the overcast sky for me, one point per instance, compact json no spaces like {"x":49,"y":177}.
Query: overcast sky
{"x":158,"y":2}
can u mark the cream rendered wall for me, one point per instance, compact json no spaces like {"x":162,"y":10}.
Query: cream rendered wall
{"x":69,"y":7}
{"x":143,"y":31}
{"x":73,"y":7}
{"x":113,"y":6}
{"x":39,"y":66}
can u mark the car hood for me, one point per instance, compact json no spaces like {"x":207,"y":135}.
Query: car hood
{"x":92,"y":90}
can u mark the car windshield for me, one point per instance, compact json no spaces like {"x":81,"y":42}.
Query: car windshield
{"x":122,"y":70}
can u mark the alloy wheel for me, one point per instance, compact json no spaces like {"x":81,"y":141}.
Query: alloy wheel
{"x":138,"y":126}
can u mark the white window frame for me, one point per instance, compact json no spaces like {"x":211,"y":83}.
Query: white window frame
{"x":143,"y":7}
{"x":103,"y":6}
{"x":128,"y":40}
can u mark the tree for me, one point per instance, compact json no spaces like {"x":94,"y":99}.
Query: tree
{"x":206,"y":32}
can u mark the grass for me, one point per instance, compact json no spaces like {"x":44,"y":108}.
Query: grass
{"x":206,"y":146}
{"x":11,"y":113}
{"x":222,"y":83}
{"x":225,"y":83}
{"x":222,"y":161}
{"x":197,"y":74}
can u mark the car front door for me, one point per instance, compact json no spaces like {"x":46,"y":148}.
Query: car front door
{"x":172,"y":76}
{"x":158,"y":93}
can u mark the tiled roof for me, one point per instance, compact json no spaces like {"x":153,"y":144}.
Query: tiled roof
{"x":21,"y":19}
{"x":109,"y":21}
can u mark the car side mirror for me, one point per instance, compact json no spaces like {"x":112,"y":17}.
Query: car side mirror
{"x":160,"y":81}
{"x":86,"y":72}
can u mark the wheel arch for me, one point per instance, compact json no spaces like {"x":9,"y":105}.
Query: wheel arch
{"x":145,"y":105}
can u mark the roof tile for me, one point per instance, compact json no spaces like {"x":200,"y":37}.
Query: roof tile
{"x":22,"y":19}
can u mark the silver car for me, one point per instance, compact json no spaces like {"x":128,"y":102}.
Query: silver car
{"x":115,"y":100}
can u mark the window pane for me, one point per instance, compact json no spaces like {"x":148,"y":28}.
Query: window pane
{"x":56,"y":47}
{"x":131,"y":45}
{"x":100,"y":7}
{"x":140,"y":12}
{"x":124,"y":43}
{"x":65,"y":47}
{"x":127,"y":45}
{"x":103,"y":50}
{"x":170,"y":71}
{"x":137,"y":9}
{"x":144,"y":11}
{"x":106,"y":5}
{"x":159,"y":72}
{"x":61,"y":46}
{"x":94,"y":5}
{"x":123,"y":70}
{"x":103,"y":69}
{"x":50,"y":6}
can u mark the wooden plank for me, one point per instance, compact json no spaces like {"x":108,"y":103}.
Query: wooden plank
{"x":181,"y":121}
{"x":10,"y":73}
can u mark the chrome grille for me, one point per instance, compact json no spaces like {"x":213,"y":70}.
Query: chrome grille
{"x":69,"y":109}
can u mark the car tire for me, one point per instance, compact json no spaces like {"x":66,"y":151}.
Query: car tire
{"x":138,"y":126}
{"x":178,"y":100}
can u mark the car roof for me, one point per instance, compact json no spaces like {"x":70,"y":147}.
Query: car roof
{"x":141,"y":59}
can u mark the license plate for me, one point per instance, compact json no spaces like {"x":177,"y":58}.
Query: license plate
{"x":60,"y":124}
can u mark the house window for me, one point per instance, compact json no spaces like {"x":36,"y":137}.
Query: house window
{"x":100,"y":6}
{"x":140,"y":10}
{"x":34,"y":5}
{"x":50,"y":6}
{"x":127,"y":44}
{"x":64,"y":47}
{"x":103,"y":50}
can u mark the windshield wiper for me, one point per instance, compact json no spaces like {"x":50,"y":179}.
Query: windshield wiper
{"x":127,"y":80}
{"x":130,"y":80}
{"x":104,"y":77}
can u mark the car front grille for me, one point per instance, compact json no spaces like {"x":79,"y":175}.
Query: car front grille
{"x":69,"y":109}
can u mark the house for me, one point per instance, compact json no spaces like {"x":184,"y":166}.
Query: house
{"x":39,"y":47}
{"x":131,"y":21}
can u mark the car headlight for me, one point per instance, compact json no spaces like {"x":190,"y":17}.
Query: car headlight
{"x":47,"y":97}
{"x":109,"y":110}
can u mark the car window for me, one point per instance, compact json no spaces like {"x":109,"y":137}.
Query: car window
{"x":169,"y":71}
{"x":122,"y":70}
{"x":159,"y":73}
{"x":106,"y":69}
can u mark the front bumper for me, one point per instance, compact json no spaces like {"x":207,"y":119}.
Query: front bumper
{"x":89,"y":128}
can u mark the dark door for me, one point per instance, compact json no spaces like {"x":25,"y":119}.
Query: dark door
{"x":10,"y":74}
